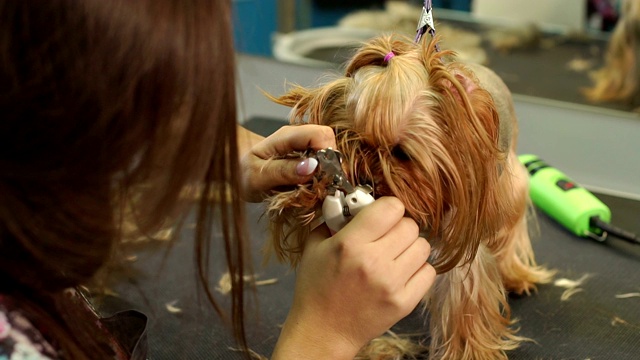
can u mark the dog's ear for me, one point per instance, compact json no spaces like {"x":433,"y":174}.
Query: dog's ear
{"x":467,"y":83}
{"x":482,"y":105}
{"x":322,"y":105}
{"x":298,"y":99}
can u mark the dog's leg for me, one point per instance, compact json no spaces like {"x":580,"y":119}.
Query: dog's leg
{"x":513,"y":249}
{"x":469,"y":313}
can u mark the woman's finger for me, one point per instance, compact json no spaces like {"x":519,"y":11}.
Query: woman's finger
{"x":415,"y":255}
{"x":419,"y":283}
{"x":270,"y":174}
{"x":295,"y":138}
{"x":400,"y":238}
{"x":374,"y":221}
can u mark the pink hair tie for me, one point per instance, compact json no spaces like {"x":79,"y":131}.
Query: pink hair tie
{"x":389,"y":56}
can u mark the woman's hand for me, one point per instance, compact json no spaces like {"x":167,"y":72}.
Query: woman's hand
{"x":355,"y":285}
{"x":261,"y":172}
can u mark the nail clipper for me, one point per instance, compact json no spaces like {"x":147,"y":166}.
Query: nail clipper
{"x":343,"y":200}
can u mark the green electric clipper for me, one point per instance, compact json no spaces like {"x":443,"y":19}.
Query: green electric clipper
{"x":571,"y":205}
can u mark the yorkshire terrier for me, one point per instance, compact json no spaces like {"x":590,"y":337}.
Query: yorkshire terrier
{"x":617,"y":80}
{"x":440,"y":135}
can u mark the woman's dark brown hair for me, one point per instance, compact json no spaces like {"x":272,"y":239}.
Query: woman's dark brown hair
{"x":107,"y":110}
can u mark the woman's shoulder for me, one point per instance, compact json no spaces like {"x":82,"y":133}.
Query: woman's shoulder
{"x":19,"y":338}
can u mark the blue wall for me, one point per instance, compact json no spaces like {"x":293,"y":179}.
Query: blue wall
{"x":462,"y":5}
{"x":255,"y":21}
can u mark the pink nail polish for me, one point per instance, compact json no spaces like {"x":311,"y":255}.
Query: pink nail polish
{"x":306,"y":167}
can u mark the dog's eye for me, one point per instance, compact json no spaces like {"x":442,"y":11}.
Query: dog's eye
{"x":399,"y":153}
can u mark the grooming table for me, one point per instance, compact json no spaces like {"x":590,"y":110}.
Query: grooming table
{"x":592,"y":324}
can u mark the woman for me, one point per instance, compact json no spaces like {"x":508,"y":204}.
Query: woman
{"x":108,"y":110}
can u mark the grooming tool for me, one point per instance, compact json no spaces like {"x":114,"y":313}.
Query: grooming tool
{"x":571,"y":205}
{"x":425,"y":23}
{"x":343,"y":200}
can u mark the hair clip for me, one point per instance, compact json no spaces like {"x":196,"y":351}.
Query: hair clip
{"x":425,"y":23}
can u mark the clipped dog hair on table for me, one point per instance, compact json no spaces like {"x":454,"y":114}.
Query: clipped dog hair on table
{"x":441,"y":136}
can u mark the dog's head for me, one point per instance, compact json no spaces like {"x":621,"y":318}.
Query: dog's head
{"x":416,"y":126}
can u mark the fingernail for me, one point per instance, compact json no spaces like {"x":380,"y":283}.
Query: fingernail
{"x":306,"y":167}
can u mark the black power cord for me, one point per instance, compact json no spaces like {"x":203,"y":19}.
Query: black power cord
{"x":596,"y":222}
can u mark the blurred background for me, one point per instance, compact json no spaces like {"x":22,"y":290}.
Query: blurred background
{"x":577,"y":108}
{"x":512,"y":37}
{"x":260,"y":21}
